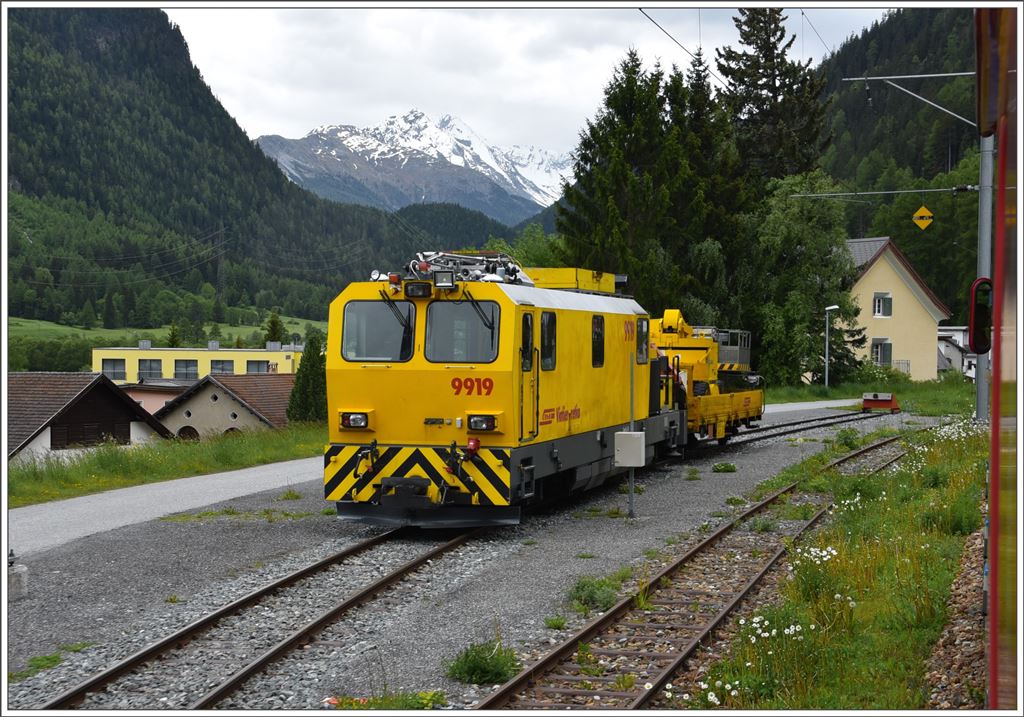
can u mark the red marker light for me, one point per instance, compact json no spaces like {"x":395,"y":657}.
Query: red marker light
{"x":424,"y":266}
{"x":472,"y":446}
{"x":394,"y":278}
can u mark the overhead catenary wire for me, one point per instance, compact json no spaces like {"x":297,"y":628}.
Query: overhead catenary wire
{"x":948,"y":190}
{"x":830,"y":50}
{"x":720,"y":80}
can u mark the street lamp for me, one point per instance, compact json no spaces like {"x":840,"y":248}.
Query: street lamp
{"x":827,"y":324}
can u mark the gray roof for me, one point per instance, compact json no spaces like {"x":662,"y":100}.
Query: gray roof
{"x":864,"y":250}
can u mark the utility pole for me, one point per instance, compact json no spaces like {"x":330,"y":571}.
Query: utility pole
{"x":984,"y":265}
{"x":981,"y":382}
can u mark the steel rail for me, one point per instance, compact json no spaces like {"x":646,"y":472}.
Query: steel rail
{"x":304,"y":634}
{"x":861,"y":451}
{"x":666,"y":674}
{"x":73,"y":696}
{"x":825,"y":422}
{"x":500,"y":697}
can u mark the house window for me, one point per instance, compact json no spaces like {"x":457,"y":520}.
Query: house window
{"x":114,"y":369}
{"x":186,"y":369}
{"x":548,"y":335}
{"x":257,"y":367}
{"x":597,"y":341}
{"x":151,"y":368}
{"x":222,"y":366}
{"x":883,"y":304}
{"x":881,"y":352}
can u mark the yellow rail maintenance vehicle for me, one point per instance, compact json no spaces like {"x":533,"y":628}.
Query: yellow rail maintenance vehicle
{"x":464,"y":388}
{"x":711,"y":368}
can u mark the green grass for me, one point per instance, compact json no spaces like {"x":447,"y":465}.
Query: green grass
{"x":868,"y":591}
{"x":555,"y":622}
{"x":484,"y":663}
{"x":109,"y":466}
{"x":950,"y":394}
{"x":45,"y":662}
{"x":290,"y":495}
{"x":18,"y":328}
{"x":594,"y":593}
{"x":389,"y":701}
{"x":271,"y":515}
{"x":723,"y":468}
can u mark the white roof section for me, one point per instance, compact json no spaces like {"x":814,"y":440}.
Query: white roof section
{"x":572,"y":300}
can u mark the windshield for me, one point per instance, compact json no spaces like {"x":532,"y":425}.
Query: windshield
{"x":374,"y":332}
{"x":462,"y":332}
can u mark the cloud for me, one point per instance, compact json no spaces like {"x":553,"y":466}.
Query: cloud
{"x":516,"y":75}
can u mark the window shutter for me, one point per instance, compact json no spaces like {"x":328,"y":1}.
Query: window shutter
{"x":887,"y":354}
{"x":887,"y":306}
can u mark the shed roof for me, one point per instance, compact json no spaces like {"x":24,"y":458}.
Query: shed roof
{"x":36,"y":398}
{"x":265,"y":394}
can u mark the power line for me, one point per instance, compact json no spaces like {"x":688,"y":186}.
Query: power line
{"x":681,"y":45}
{"x":803,"y":14}
{"x":146,"y":280}
{"x":952,"y":190}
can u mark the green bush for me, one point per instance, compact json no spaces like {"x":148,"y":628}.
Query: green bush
{"x":848,"y":438}
{"x":723,"y":468}
{"x":484,"y":663}
{"x":590,"y":593}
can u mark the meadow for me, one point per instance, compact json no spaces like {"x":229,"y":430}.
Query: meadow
{"x":112,"y":466}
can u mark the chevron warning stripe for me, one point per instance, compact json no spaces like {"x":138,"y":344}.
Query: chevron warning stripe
{"x":348,"y":475}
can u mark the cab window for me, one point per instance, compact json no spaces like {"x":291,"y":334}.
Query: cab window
{"x":377,"y":331}
{"x":597,"y":341}
{"x":463,"y":331}
{"x":526,"y":351}
{"x":547,"y":341}
{"x":642,"y":341}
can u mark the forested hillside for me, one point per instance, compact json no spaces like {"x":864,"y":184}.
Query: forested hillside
{"x":127,"y":178}
{"x":875,"y":126}
{"x":453,"y":227}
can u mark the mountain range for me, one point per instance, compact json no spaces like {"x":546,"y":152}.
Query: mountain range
{"x":413,"y":159}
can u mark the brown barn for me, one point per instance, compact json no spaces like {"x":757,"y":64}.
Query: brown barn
{"x":50,"y":411}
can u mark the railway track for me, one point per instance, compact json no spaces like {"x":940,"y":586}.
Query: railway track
{"x":871,"y":458}
{"x":624,"y":658}
{"x":809,"y":424}
{"x":211,"y":658}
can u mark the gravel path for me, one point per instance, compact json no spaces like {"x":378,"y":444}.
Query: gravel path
{"x":124,"y":588}
{"x":957,"y":671}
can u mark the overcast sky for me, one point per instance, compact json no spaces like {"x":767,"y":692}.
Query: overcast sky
{"x":527,"y":76}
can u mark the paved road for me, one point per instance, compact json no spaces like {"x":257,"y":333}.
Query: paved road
{"x":38,"y":527}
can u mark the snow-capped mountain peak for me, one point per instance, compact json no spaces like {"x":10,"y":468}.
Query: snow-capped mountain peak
{"x":532,"y":173}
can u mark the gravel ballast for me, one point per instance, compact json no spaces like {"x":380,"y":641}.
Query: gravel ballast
{"x":127,"y":587}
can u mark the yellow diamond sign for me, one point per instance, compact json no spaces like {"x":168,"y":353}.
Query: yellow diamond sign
{"x":923,"y":217}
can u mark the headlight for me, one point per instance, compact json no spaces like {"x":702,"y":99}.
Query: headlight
{"x":354,"y":420}
{"x":418,"y":289}
{"x":481,"y":423}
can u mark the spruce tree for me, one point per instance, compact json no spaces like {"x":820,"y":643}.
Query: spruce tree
{"x":275,"y":330}
{"x":775,"y":101}
{"x":87,"y":316}
{"x":616,"y":216}
{"x":308,"y":400}
{"x":173,"y":337}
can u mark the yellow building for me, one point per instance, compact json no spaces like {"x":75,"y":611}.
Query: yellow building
{"x":898,"y":311}
{"x":129,"y":365}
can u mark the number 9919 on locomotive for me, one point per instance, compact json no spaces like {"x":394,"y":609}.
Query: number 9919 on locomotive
{"x":464,"y":388}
